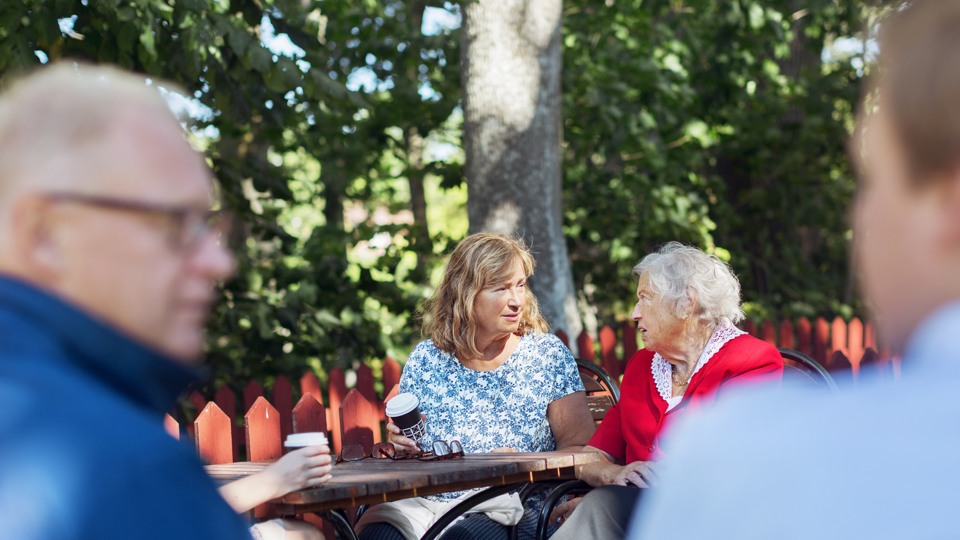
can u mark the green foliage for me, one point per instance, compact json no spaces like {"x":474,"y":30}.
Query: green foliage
{"x":297,"y":142}
{"x":716,"y":124}
{"x":713,"y":123}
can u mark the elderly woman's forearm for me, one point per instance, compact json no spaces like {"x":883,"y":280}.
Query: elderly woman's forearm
{"x":600,"y":473}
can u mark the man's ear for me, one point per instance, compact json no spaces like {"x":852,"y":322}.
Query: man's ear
{"x":34,"y":239}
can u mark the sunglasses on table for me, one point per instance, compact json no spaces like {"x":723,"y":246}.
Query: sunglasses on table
{"x":443,"y":450}
{"x":381,"y":450}
{"x":386,"y":450}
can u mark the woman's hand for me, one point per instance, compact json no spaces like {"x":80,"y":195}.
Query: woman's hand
{"x":402,"y":443}
{"x":300,"y":469}
{"x":303,"y":468}
{"x":608,"y":471}
{"x":503,"y":450}
{"x":561,"y":512}
{"x":638,"y":473}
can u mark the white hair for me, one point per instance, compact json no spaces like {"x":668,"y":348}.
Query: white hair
{"x":686,"y":277}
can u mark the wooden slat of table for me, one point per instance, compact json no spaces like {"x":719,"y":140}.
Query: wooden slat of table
{"x":370,"y":481}
{"x":531,"y":460}
{"x":228,"y":472}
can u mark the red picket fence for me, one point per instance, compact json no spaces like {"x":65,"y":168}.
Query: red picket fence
{"x":355,"y":416}
{"x":836,"y":345}
{"x":354,"y":419}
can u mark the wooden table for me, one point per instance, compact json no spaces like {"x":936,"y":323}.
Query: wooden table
{"x":379,"y":480}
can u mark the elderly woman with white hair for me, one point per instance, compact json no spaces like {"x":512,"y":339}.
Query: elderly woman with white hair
{"x":687,"y":305}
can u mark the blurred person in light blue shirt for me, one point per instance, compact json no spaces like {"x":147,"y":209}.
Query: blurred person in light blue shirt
{"x":879,"y":460}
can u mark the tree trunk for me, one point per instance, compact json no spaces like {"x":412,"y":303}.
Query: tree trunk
{"x":422,"y":243}
{"x":512,"y":132}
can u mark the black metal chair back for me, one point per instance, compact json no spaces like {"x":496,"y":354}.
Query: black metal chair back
{"x":798,"y":366}
{"x":602,"y":390}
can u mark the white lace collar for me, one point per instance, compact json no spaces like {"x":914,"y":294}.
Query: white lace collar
{"x":662,"y":370}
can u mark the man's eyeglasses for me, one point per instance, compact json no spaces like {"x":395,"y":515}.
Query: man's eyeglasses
{"x":188,"y":225}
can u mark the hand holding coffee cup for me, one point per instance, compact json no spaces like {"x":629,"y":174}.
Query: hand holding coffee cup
{"x":307,"y":463}
{"x":408,"y":426}
{"x":296,"y":441}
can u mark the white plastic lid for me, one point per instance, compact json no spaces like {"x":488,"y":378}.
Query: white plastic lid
{"x":310,"y":438}
{"x":401,"y":404}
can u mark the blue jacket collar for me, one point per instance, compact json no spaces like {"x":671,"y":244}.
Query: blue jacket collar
{"x":140,"y":374}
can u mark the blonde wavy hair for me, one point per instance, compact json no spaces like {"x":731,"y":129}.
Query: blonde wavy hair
{"x":478,"y":261}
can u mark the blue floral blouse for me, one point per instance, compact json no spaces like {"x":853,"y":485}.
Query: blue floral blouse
{"x":485,"y":410}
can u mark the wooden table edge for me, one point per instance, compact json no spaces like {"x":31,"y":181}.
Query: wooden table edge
{"x":286,"y":507}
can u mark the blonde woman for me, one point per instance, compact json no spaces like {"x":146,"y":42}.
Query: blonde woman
{"x":490,"y":376}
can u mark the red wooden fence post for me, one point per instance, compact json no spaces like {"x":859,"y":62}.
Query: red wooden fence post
{"x":359,"y":421}
{"x":262,"y":424}
{"x":391,"y":375}
{"x":251,"y":392}
{"x":563,"y":338}
{"x":870,"y":337}
{"x":309,"y":415}
{"x":310,"y":384}
{"x":804,"y":336}
{"x":749,"y":327}
{"x":226,"y":399}
{"x":786,"y":334}
{"x":870,"y":357}
{"x":365,"y":386}
{"x":171,"y":426}
{"x":855,"y":344}
{"x":197,"y":400}
{"x":838,"y":336}
{"x":213,"y":437}
{"x":585,"y":347}
{"x":263,"y":437}
{"x":821,"y":337}
{"x":282,"y":395}
{"x":768,"y":333}
{"x":608,"y":352}
{"x":392,"y":393}
{"x":365,"y":383}
{"x":838,"y":361}
{"x":337,"y":387}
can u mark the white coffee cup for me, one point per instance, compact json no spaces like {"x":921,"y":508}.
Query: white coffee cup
{"x":308,"y":438}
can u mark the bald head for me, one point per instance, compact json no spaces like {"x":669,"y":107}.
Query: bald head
{"x":104,"y":203}
{"x":53,"y":123}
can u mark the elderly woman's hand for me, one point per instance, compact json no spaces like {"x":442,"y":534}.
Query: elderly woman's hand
{"x":638,"y":473}
{"x":402,"y":443}
{"x":562,"y":511}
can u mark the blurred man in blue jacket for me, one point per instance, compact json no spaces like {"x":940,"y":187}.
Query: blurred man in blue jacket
{"x":109,"y":256}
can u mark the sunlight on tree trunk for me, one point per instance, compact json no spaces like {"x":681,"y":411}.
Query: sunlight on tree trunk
{"x":512,"y":133}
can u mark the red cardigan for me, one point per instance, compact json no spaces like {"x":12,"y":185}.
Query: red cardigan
{"x":629,"y":430}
